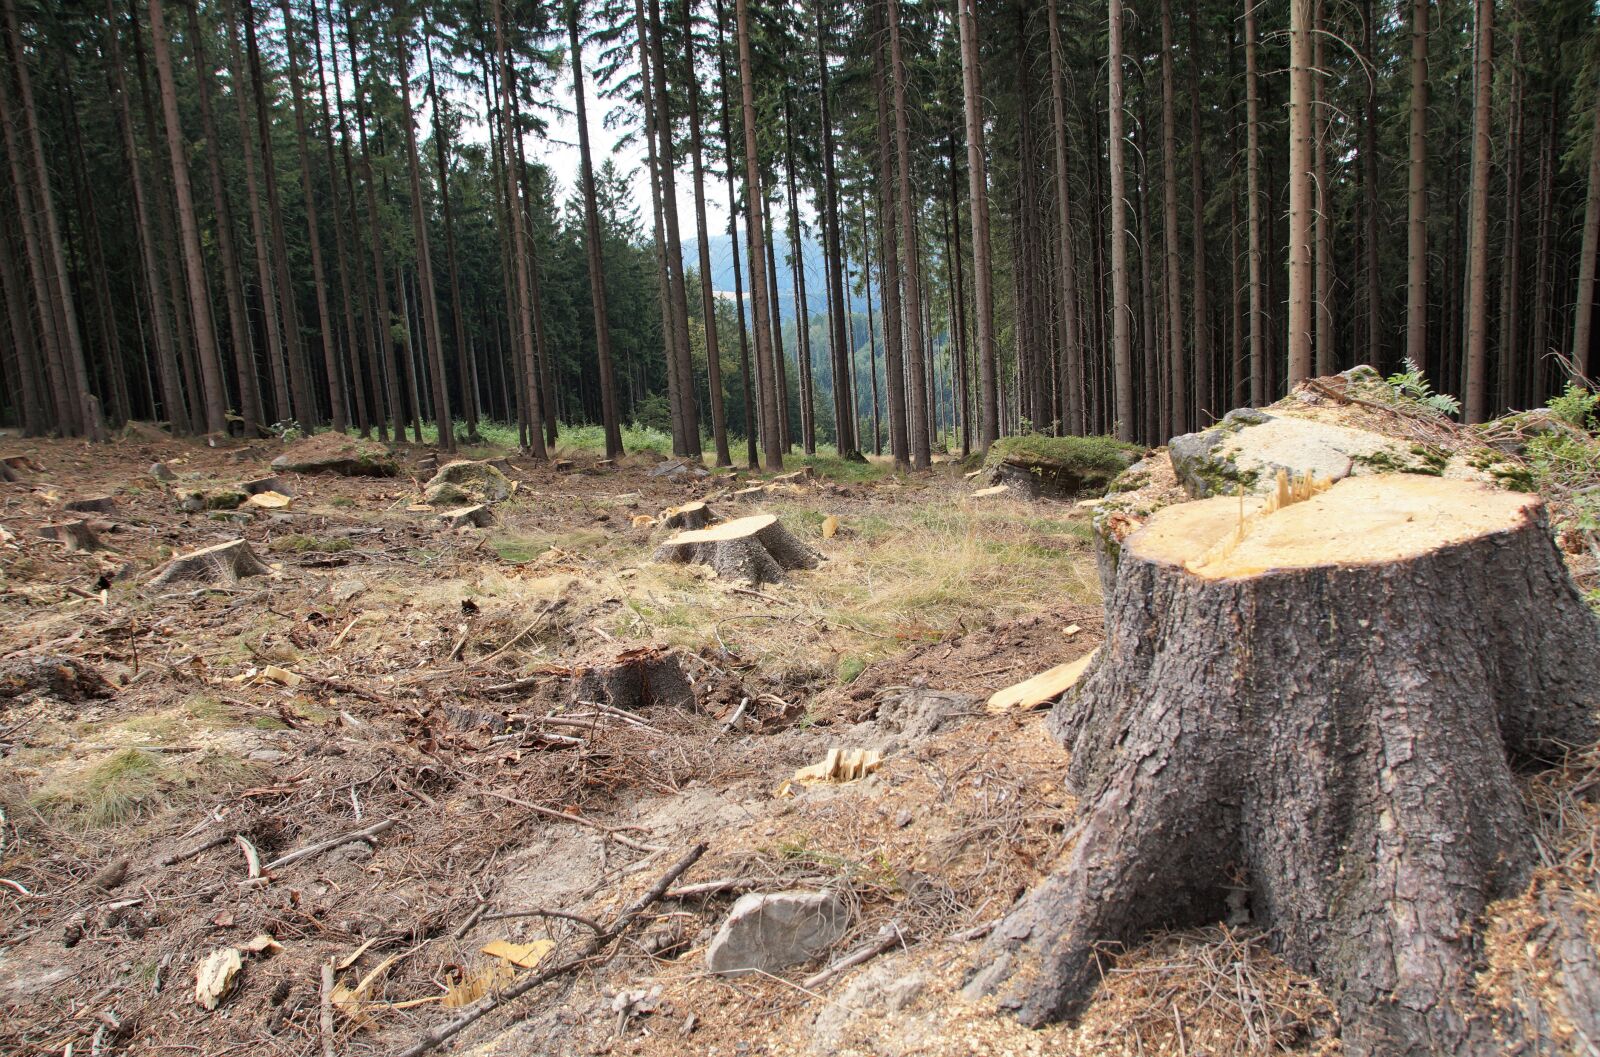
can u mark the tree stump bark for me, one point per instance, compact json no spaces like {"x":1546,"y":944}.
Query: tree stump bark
{"x":633,"y":679}
{"x":95,"y":504}
{"x":1322,"y":705}
{"x":687,"y":517}
{"x":75,"y":536}
{"x":225,"y":563}
{"x":755,"y":549}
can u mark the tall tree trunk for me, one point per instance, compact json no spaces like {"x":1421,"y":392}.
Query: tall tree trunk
{"x":872,"y":330}
{"x":79,"y":409}
{"x":775,"y":313}
{"x":802,"y":343}
{"x":364,"y":353}
{"x":170,"y":383}
{"x":266,"y":287}
{"x":233,"y":283}
{"x":341,"y":250}
{"x":1583,"y":313}
{"x":1417,"y":193}
{"x":894,"y":382}
{"x":752,"y":456}
{"x":189,"y":231}
{"x":330,"y":346}
{"x":771,"y":435}
{"x":682,"y":363}
{"x":1476,"y":407}
{"x":441,"y":144}
{"x":839,"y":342}
{"x":530,"y":399}
{"x":658,"y":208}
{"x":978,"y":206}
{"x":385,"y":321}
{"x":911,"y":271}
{"x":428,"y":303}
{"x":597,"y":276}
{"x":1300,"y":200}
{"x":1200,"y":307}
{"x":1257,"y":311}
{"x":1121,"y":310}
{"x":32,"y":393}
{"x":61,"y":399}
{"x":304,"y":407}
{"x":1369,"y":192}
{"x":1327,"y":359}
{"x":1177,"y":366}
{"x":1066,"y":268}
{"x":1511,"y":261}
{"x":708,"y":302}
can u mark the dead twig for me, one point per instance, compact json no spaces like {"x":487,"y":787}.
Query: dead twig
{"x":586,"y":953}
{"x":329,"y":844}
{"x":889,"y":936}
{"x":550,"y":812}
{"x":327,"y":1010}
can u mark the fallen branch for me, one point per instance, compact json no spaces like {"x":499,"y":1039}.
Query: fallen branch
{"x":711,"y":888}
{"x":489,"y":1003}
{"x":564,"y":915}
{"x":550,"y":812}
{"x":329,"y":844}
{"x":179,"y":856}
{"x":889,"y":936}
{"x":327,"y":1010}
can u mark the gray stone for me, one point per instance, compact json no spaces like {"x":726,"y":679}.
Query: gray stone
{"x":162,"y":472}
{"x":770,"y":931}
{"x":466,"y":482}
{"x":336,"y":454}
{"x":668,"y":469}
{"x":1248,"y":448}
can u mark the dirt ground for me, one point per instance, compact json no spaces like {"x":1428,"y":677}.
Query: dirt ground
{"x":395,"y":701}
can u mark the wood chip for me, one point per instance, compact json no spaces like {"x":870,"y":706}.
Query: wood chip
{"x":1042,"y":688}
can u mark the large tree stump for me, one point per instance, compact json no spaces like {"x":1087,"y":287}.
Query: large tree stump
{"x":1323,"y":706}
{"x":223,"y":564}
{"x":755,"y":549}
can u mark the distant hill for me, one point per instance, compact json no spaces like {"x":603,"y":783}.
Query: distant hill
{"x":722,"y":271}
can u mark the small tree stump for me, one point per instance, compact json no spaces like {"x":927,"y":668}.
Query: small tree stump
{"x":94,"y":504}
{"x":75,"y":536}
{"x":58,"y":675}
{"x":755,"y":549}
{"x":1323,"y":705}
{"x":478,"y":516}
{"x":225,"y":563}
{"x":689,"y":516}
{"x":633,"y":679}
{"x":266,"y":484}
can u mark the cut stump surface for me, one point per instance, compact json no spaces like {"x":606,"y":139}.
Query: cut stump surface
{"x":756,"y":549}
{"x":1323,"y":703}
{"x":225,"y":563}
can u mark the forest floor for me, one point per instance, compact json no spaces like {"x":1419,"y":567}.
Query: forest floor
{"x":391,"y":670}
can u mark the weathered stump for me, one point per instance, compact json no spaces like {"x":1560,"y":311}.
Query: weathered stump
{"x":62,"y":677}
{"x":1322,"y":705}
{"x":755,"y":549}
{"x":75,"y":536}
{"x":225,"y":563}
{"x":476,"y":516}
{"x":635,"y":678}
{"x":687,"y":517}
{"x":94,"y":504}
